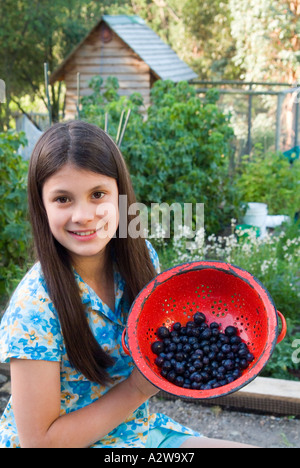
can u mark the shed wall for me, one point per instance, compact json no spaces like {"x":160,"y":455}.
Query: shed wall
{"x":113,"y":58}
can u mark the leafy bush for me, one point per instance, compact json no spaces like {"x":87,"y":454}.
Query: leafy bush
{"x":177,"y":150}
{"x":270,"y":178}
{"x":15,"y":231}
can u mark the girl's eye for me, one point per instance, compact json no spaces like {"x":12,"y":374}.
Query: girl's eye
{"x":62,"y":200}
{"x":98,"y":195}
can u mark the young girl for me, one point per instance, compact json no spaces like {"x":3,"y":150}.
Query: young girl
{"x":72,"y":384}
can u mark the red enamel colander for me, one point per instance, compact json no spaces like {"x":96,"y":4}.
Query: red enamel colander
{"x":226,"y":294}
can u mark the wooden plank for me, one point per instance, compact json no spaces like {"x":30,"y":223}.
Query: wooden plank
{"x":262,"y":394}
{"x":116,"y":60}
{"x":111,"y":69}
{"x":138,"y":81}
{"x":263,"y":387}
{"x":72,"y":94}
{"x":144,"y":82}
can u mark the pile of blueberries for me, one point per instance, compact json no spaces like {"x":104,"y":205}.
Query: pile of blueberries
{"x":199,"y":356}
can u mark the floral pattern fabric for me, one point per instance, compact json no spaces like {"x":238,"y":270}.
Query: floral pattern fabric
{"x":30,"y":329}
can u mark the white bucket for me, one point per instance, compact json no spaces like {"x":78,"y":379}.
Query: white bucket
{"x":277,"y":220}
{"x":256,"y":215}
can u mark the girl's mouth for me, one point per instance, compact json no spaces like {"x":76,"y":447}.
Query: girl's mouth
{"x":84,"y":235}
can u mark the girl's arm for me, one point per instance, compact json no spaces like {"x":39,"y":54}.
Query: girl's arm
{"x":36,"y":402}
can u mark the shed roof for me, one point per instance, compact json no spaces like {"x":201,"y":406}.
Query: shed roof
{"x":159,"y":56}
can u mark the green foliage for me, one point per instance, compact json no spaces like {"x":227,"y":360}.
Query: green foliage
{"x":15,"y":232}
{"x":179,"y":152}
{"x":267,"y":39}
{"x":209,"y":22}
{"x":281,"y":365}
{"x":270,"y":178}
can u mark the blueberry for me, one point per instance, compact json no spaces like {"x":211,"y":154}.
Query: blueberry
{"x":242,"y":352}
{"x":183,"y":339}
{"x":228,"y":364}
{"x":172,"y":347}
{"x":250,"y":357}
{"x":216,"y":385}
{"x":163,"y":332}
{"x":237,"y":373}
{"x":231,"y":331}
{"x":167,"y":365}
{"x":157,"y":347}
{"x":179,"y":357}
{"x":230,"y":378}
{"x":171,"y":376}
{"x":214,"y":325}
{"x":179,"y":381}
{"x":189,"y":331}
{"x":190,"y":324}
{"x":169,"y":356}
{"x":198,"y":364}
{"x":179,"y":368}
{"x":177,"y":326}
{"x":226,"y":348}
{"x":196,"y":377}
{"x":195,"y":386}
{"x":199,"y":353}
{"x":187,"y":348}
{"x":215,"y":332}
{"x":244,"y":364}
{"x":235,"y":340}
{"x":206,"y":387}
{"x":176,"y":339}
{"x":159,"y":361}
{"x":211,"y":356}
{"x":206,"y":334}
{"x":205,"y":376}
{"x":199,"y":318}
{"x":223,"y":338}
{"x":196,"y":332}
{"x":220,"y":356}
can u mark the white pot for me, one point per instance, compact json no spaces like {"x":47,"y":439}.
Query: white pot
{"x":256,"y":215}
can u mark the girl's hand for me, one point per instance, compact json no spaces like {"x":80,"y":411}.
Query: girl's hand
{"x":142,"y":384}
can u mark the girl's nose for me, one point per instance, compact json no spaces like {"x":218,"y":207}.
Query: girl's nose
{"x":83,"y":213}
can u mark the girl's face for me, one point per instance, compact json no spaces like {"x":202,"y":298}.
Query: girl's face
{"x":82,"y":209}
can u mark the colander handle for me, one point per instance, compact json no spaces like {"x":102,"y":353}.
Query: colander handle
{"x":124,"y":345}
{"x":283,"y":327}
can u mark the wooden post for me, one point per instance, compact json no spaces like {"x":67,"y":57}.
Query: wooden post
{"x":280,"y":100}
{"x":78,"y":96}
{"x":47,"y":92}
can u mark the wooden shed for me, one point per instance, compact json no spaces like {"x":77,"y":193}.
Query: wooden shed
{"x":124,"y":47}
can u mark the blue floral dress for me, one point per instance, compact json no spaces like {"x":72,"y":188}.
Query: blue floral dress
{"x":30,"y":329}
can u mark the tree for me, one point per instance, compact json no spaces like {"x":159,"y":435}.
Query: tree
{"x":267,"y":35}
{"x":208,"y":21}
{"x":34,"y":32}
{"x":267,"y":38}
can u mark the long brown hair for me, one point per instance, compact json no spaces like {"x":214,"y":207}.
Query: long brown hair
{"x":88,"y":147}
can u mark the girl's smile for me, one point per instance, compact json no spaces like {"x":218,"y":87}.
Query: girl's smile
{"x":82,"y":209}
{"x":84,"y":235}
